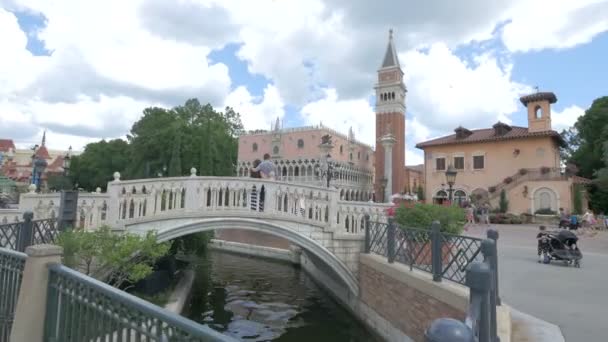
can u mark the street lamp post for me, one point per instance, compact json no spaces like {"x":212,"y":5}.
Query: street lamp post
{"x":328,"y":171}
{"x":450,"y":177}
{"x":67,"y":161}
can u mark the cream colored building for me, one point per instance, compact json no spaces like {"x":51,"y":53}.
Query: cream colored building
{"x":524,"y":161}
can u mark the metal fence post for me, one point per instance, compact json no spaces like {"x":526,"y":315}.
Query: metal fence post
{"x":478,"y":279}
{"x":25,"y":234}
{"x":368,"y":237}
{"x":68,"y":208}
{"x":493,"y":234}
{"x":436,"y":258}
{"x":390,"y":240}
{"x":488,"y":249}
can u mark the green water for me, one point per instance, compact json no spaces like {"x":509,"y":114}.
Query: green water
{"x":253,"y":299}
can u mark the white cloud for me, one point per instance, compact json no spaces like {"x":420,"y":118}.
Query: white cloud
{"x":445,"y":91}
{"x":257,"y":113}
{"x":541,"y":24}
{"x":566,"y":118}
{"x":341,"y":115}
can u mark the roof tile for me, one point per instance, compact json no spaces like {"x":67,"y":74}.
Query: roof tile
{"x":486,"y":135}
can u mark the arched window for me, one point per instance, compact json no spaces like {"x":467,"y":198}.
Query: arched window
{"x":341,"y":149}
{"x":441,"y":194}
{"x":538,"y":112}
{"x":131,"y":209}
{"x":300,"y":143}
{"x":350,"y":156}
{"x":254,"y":147}
{"x":275,"y":150}
{"x":183,"y":199}
{"x":358,"y":155}
{"x":460,"y":196}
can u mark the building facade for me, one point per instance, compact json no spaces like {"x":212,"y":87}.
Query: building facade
{"x":299,"y":158}
{"x":522,"y":161}
{"x":27,"y":166}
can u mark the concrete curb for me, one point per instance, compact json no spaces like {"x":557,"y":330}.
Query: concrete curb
{"x":178,"y":297}
{"x":527,"y":328}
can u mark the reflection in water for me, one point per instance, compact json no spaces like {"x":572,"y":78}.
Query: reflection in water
{"x":258,"y":300}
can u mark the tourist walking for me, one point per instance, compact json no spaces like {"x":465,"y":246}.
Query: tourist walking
{"x":485,"y":214}
{"x":253,"y":198}
{"x":266,"y":168}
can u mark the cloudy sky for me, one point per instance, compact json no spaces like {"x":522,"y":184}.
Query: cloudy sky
{"x":84,"y":70}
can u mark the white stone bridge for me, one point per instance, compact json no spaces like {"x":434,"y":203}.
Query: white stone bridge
{"x":311,"y":217}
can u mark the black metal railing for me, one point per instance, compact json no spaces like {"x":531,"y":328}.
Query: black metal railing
{"x":11,"y":272}
{"x":481,"y":324}
{"x":80,"y":308}
{"x":19,"y":235}
{"x":445,"y":256}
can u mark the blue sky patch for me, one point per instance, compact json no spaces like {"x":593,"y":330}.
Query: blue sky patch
{"x":31,"y":24}
{"x":237,"y":69}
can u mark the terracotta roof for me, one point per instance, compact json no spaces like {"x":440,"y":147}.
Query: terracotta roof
{"x":580,"y":180}
{"x":6,"y":144}
{"x":489,"y":134}
{"x":417,"y":168}
{"x":42,"y":152}
{"x":548,"y":96}
{"x":56,"y":164}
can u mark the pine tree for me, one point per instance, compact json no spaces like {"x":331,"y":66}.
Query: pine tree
{"x":175,"y":165}
{"x":504,"y":203}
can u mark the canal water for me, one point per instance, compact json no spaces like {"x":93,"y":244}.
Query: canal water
{"x":255,"y":299}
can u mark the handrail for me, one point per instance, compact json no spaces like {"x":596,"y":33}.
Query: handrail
{"x":194,"y":331}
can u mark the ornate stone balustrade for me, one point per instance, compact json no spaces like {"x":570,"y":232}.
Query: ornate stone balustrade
{"x":10,"y":215}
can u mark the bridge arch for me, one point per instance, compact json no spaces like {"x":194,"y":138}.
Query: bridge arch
{"x":295,"y":237}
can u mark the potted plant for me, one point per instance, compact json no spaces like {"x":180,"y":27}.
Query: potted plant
{"x":508,"y":180}
{"x":544,"y":170}
{"x":421,"y":217}
{"x":523,"y":171}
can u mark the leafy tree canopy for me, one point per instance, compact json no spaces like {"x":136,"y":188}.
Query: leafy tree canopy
{"x":587,"y":149}
{"x":96,"y":165}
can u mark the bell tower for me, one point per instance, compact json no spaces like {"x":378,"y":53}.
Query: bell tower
{"x":539,"y":110}
{"x":390,"y":119}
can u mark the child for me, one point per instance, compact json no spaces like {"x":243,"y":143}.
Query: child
{"x":543,"y":243}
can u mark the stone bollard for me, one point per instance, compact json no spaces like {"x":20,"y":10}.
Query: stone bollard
{"x":479,"y":281}
{"x":488,"y":249}
{"x":31,"y":304}
{"x":368,"y":235}
{"x":448,"y":330}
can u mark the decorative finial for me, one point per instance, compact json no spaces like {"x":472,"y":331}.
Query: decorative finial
{"x":98,"y":190}
{"x":116,"y":176}
{"x":44,"y":138}
{"x":32,"y":188}
{"x":390,"y":34}
{"x":193,"y":172}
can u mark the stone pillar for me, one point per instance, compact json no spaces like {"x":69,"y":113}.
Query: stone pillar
{"x":31,"y":305}
{"x":387,"y":142}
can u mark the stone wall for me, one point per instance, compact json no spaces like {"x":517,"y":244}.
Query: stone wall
{"x":408,"y":300}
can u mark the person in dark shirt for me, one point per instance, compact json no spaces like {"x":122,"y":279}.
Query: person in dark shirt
{"x":543,"y":242}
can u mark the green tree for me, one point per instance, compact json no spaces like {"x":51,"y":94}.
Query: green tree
{"x":586,"y":149}
{"x":420,"y":193}
{"x":129,"y":257}
{"x":503,"y":203}
{"x":577,"y":199}
{"x":59,"y":182}
{"x":98,"y":162}
{"x":451,"y":218}
{"x":175,"y":165}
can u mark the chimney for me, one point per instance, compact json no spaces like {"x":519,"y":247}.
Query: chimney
{"x":501,"y":128}
{"x":462,"y":133}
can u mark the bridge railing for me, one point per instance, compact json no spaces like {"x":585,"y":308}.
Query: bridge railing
{"x":19,"y":235}
{"x":11,"y":273}
{"x":80,"y":308}
{"x":132,"y":200}
{"x":445,"y":256}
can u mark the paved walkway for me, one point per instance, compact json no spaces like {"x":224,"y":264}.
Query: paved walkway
{"x":574,"y":299}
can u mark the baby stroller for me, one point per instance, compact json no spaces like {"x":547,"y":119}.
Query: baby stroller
{"x":562,"y":245}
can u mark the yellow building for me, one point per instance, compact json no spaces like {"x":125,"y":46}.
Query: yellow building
{"x":524,"y":161}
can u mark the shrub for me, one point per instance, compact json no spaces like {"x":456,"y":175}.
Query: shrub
{"x":523,"y":171}
{"x":545,"y":211}
{"x":503,"y":203}
{"x":508,"y":180}
{"x":492,"y":189}
{"x":421,"y":216}
{"x":544,"y":170}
